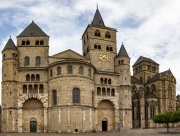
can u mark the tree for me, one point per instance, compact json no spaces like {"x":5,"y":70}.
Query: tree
{"x":167,"y":117}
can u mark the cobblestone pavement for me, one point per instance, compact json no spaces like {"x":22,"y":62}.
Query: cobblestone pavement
{"x":133,"y":132}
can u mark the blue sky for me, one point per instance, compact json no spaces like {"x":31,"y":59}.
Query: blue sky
{"x":147,"y":28}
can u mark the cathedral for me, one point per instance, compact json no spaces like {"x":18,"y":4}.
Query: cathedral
{"x":70,"y":92}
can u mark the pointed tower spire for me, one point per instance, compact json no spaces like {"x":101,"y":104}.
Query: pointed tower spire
{"x":97,"y":18}
{"x":10,"y":45}
{"x":122,"y":51}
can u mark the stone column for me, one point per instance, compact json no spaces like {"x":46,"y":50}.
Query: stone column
{"x":69,"y":120}
{"x":59,"y":128}
{"x":20,"y":120}
{"x":45,"y":119}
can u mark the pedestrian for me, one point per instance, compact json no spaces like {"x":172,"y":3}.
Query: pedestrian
{"x":120,"y":125}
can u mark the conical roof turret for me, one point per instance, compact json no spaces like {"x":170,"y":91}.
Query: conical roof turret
{"x":122,"y":51}
{"x":98,"y":19}
{"x":32,"y":30}
{"x":10,"y":45}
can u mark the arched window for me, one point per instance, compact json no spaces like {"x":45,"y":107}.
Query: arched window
{"x":27,"y":77}
{"x":112,"y":92}
{"x":38,"y":60}
{"x":23,"y":43}
{"x":109,"y":81}
{"x":32,"y":77}
{"x":152,"y":109}
{"x":147,"y":90}
{"x":41,"y":88}
{"x":108,"y":35}
{"x":95,"y":46}
{"x":26,"y":61}
{"x":69,"y":70}
{"x":27,"y":42}
{"x":4,"y":56}
{"x":153,"y":88}
{"x":98,"y":91}
{"x":30,"y":89}
{"x":122,"y":61}
{"x":80,"y":70}
{"x":108,"y":92}
{"x":41,"y":42}
{"x":89,"y":72}
{"x":99,"y":46}
{"x":24,"y":88}
{"x":97,"y":33}
{"x":101,"y":80}
{"x":76,"y":95}
{"x":107,"y":48}
{"x":103,"y":91}
{"x":58,"y":70}
{"x":37,"y":77}
{"x":105,"y":81}
{"x":35,"y":88}
{"x":111,"y":49}
{"x":37,"y":42}
{"x":134,"y":89}
{"x":54,"y":97}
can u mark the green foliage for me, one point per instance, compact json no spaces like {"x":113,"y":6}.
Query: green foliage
{"x":167,"y":117}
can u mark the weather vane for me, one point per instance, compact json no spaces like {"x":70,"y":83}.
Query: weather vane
{"x":97,"y":4}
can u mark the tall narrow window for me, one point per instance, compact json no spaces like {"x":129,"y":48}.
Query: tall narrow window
{"x":108,"y":35}
{"x":54,"y":97}
{"x":27,"y":77}
{"x":35,"y":88}
{"x":170,"y":91}
{"x":69,"y":70}
{"x":37,"y":77}
{"x":38,"y":61}
{"x":58,"y":70}
{"x":32,"y":77}
{"x":101,"y":80}
{"x":108,"y":92}
{"x":80,"y":70}
{"x":152,"y":109}
{"x":30,"y":89}
{"x":37,"y":42}
{"x":98,"y":91}
{"x":41,"y":88}
{"x":27,"y":42}
{"x":99,"y":46}
{"x":23,"y":43}
{"x":26,"y":61}
{"x":24,"y":88}
{"x":89,"y":72}
{"x":105,"y":81}
{"x":97,"y":33}
{"x":112,"y":92}
{"x":95,"y":46}
{"x":109,"y":81}
{"x":76,"y":95}
{"x":103,"y":91}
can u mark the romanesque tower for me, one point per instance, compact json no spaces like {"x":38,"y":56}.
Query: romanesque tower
{"x":9,"y":87}
{"x":122,"y":67}
{"x":33,"y":47}
{"x":99,"y":44}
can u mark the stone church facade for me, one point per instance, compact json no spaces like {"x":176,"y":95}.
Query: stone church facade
{"x":69,"y":92}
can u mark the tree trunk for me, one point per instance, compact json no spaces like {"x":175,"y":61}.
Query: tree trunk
{"x":167,"y":127}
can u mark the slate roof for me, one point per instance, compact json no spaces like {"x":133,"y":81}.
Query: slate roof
{"x":122,"y":51}
{"x":32,"y":30}
{"x":151,"y":95}
{"x":10,"y":45}
{"x":98,"y":19}
{"x":134,"y":80}
{"x":157,"y":76}
{"x":144,"y":59}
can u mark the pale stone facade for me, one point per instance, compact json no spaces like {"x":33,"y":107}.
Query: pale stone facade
{"x":66,"y":92}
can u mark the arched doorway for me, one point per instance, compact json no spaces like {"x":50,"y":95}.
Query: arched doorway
{"x":33,"y":125}
{"x":33,"y":116}
{"x":106,"y":116}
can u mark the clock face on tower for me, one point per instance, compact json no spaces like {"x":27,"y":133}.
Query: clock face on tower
{"x":103,"y":56}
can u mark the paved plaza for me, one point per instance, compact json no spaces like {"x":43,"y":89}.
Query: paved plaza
{"x":133,"y":132}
